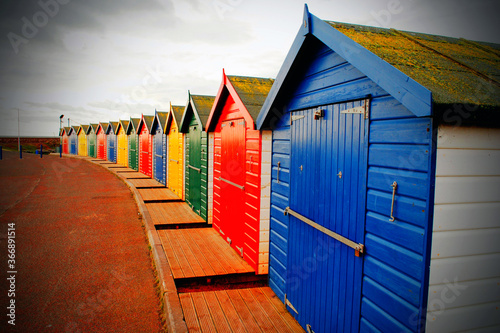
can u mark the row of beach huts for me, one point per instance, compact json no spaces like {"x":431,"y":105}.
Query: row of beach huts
{"x":364,"y":180}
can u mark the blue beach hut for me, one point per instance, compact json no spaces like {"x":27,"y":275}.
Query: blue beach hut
{"x":159,"y":147}
{"x":112,"y":152}
{"x":385,"y":189}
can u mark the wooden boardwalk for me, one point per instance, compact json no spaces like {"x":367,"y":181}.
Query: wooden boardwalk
{"x":237,"y":310}
{"x":172,"y":213}
{"x":200,"y":252}
{"x":158,"y":194}
{"x":217,"y":289}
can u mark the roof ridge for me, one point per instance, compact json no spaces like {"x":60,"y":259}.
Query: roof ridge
{"x":458,"y":62}
{"x":482,"y":47}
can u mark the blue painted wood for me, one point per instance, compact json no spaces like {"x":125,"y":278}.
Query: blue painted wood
{"x":400,"y":148}
{"x":399,"y":233}
{"x":111,"y":146}
{"x":320,"y":148}
{"x":159,"y":160}
{"x":390,"y":303}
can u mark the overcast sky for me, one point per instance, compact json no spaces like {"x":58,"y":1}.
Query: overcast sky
{"x":95,"y":60}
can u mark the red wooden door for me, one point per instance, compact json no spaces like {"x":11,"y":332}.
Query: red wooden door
{"x":233,"y":181}
{"x":145,"y":152}
{"x":65,"y":144}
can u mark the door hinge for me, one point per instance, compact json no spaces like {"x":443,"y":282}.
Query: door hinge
{"x":289,"y":304}
{"x":363,"y":109}
{"x":293,"y":118}
{"x":241,"y":250}
{"x":309,"y":329}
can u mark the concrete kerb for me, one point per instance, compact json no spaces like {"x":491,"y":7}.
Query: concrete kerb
{"x":172,"y":309}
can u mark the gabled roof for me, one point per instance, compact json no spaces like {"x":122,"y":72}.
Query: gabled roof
{"x":92,"y":127}
{"x":175,"y":114}
{"x":146,"y":120}
{"x":112,"y":125}
{"x":74,"y":129}
{"x":420,"y":71}
{"x":83,"y":128}
{"x":62,"y":131}
{"x":102,"y":126}
{"x":122,"y":125}
{"x":133,"y":123}
{"x":160,"y":120}
{"x":200,"y":106}
{"x":249,"y":93}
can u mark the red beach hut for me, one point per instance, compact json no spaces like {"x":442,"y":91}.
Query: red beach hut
{"x":146,"y":145}
{"x":241,"y":160}
{"x":101,"y":141}
{"x":65,"y":139}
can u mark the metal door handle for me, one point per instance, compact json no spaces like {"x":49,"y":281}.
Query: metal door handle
{"x":394,"y":187}
{"x":358,"y":248}
{"x":171,"y":160}
{"x":231,"y":183}
{"x":192,"y":167}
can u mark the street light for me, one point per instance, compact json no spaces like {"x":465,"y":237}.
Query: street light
{"x":60,"y":127}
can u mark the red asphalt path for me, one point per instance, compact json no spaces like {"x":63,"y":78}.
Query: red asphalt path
{"x":82,"y":259}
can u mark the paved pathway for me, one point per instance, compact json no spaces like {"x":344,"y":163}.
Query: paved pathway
{"x":82,"y":259}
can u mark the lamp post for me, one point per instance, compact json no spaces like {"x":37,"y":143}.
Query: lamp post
{"x":60,"y":127}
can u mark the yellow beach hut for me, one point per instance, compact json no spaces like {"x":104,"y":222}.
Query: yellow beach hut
{"x":175,"y":153}
{"x":122,"y":138}
{"x":82,"y":140}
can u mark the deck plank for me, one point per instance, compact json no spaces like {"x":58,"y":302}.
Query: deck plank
{"x":204,"y":317}
{"x":257,"y":311}
{"x":230,"y":312}
{"x":281,"y":309}
{"x":135,"y":176}
{"x":246,"y":316}
{"x":218,"y":317}
{"x":200,"y":252}
{"x":173,"y":213}
{"x":160,"y":193}
{"x":189,"y":313}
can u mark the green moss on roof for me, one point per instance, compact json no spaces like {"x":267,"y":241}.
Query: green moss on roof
{"x":252,"y":92}
{"x":149,"y":121}
{"x":426,"y":59}
{"x":135,"y":122}
{"x":203,"y":105}
{"x":177,"y":111}
{"x":162,"y":116}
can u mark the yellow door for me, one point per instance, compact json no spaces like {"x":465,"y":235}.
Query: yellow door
{"x":175,"y":161}
{"x":122,"y":157}
{"x":82,"y":144}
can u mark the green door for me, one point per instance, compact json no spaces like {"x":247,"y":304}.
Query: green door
{"x":193,"y":196}
{"x":91,"y":145}
{"x":132,"y":151}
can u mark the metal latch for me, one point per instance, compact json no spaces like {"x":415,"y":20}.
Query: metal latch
{"x":319,"y":114}
{"x":241,"y":250}
{"x":309,"y":329}
{"x":287,"y":302}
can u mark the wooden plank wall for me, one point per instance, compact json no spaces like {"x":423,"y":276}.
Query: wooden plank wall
{"x":464,"y":291}
{"x":399,"y":150}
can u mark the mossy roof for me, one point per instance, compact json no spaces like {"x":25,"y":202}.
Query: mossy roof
{"x":252,"y":92}
{"x":177,"y":111}
{"x":456,"y":71}
{"x":203,"y":105}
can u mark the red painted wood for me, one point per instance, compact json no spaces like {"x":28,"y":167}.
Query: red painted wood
{"x":65,"y":143}
{"x":145,"y":151}
{"x":237,"y":156}
{"x":101,"y":143}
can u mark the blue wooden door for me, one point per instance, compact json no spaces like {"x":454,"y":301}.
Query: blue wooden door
{"x":112,"y":148}
{"x":328,"y":186}
{"x":74,"y":144}
{"x":159,"y":159}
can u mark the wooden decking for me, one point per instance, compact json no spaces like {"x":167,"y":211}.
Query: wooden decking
{"x":140,"y":183}
{"x":199,"y":253}
{"x":135,"y":175}
{"x":238,"y":310}
{"x":158,"y":194}
{"x":172,"y":213}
